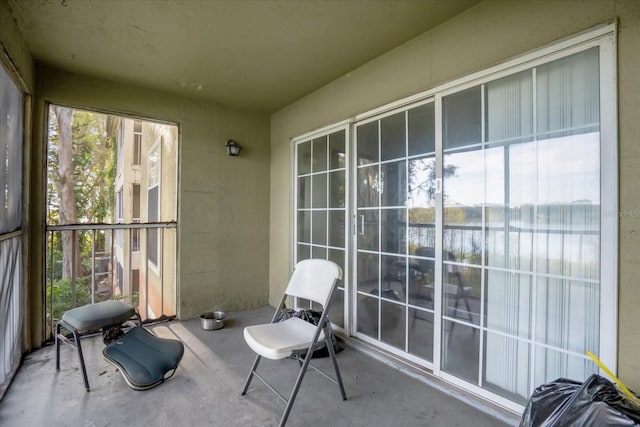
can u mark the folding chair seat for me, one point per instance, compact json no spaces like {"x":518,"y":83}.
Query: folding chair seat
{"x":315,"y":280}
{"x":88,"y":319}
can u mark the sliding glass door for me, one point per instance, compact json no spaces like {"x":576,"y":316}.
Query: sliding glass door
{"x":521,"y":224}
{"x":395,"y":223}
{"x":476,"y":241}
{"x":478,"y":228}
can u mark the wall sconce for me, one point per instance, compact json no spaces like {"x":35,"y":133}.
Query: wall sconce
{"x":233,"y":148}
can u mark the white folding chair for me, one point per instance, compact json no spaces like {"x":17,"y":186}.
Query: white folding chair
{"x":315,"y":280}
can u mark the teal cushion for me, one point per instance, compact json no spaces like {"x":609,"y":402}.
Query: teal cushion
{"x":95,"y":316}
{"x":143,"y":358}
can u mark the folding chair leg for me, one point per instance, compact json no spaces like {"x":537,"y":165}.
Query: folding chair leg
{"x":296,"y":387}
{"x":248,"y":380}
{"x":332,"y":355}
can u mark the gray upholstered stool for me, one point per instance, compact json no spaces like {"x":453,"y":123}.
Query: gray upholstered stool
{"x":91,"y":318}
{"x":144,"y":359}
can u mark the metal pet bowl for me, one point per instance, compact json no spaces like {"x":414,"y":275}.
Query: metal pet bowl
{"x":212,"y":320}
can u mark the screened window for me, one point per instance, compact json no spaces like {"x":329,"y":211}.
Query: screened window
{"x":11,"y":116}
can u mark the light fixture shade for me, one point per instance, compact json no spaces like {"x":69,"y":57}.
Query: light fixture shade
{"x":233,"y":148}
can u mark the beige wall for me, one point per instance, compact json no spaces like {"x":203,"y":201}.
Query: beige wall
{"x":484,"y":35}
{"x":223,"y":201}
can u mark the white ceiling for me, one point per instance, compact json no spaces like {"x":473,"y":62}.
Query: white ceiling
{"x":259,"y":54}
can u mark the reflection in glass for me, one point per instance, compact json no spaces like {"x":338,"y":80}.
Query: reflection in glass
{"x":304,"y":158}
{"x":506,"y":372}
{"x":337,"y":189}
{"x":318,"y":252}
{"x":393,"y":137}
{"x":461,"y":292}
{"x":421,"y":126}
{"x":336,"y":309}
{"x":393,"y":224}
{"x":463,"y":196}
{"x":569,"y":169}
{"x":568,"y":95}
{"x":422,"y":228}
{"x":304,"y":252}
{"x":460,"y":350}
{"x":368,"y":234}
{"x":462,"y":118}
{"x":461,"y":240}
{"x":319,"y":184}
{"x":338,"y":256}
{"x":392,"y":324}
{"x":369,"y":187}
{"x":421,"y":190}
{"x":304,"y":226}
{"x":304,"y":192}
{"x":368,"y":143}
{"x":368,"y":272}
{"x":319,"y":232}
{"x":319,"y":158}
{"x":336,"y":229}
{"x":551,"y":364}
{"x":508,"y":303}
{"x":509,"y":106}
{"x":494,"y":176}
{"x":421,"y":279}
{"x":463,"y":178}
{"x":516,"y":252}
{"x":393,"y":184}
{"x":394,"y":277}
{"x":337,"y":151}
{"x":421,"y":333}
{"x":567,"y":314}
{"x":368,"y":315}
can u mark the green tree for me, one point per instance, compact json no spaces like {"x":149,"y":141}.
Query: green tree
{"x":81,"y":174}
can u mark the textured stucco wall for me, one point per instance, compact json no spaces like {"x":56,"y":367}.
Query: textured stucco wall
{"x":222,"y":201}
{"x":14,"y":52}
{"x":491,"y":32}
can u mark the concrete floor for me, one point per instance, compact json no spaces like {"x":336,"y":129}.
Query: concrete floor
{"x":205,"y":391}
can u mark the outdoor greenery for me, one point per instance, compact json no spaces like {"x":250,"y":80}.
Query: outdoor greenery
{"x":62,"y":297}
{"x":81,"y":172}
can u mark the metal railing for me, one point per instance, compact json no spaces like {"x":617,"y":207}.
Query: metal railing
{"x":103,"y":267}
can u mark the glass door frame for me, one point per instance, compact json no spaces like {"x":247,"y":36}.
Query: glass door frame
{"x":294,"y":144}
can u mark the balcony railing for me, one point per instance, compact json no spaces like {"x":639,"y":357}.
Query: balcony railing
{"x":111,"y":261}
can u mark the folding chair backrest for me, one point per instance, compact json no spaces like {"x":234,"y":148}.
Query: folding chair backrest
{"x":314,"y":279}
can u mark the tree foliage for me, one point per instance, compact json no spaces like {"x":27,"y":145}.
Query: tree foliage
{"x":81,"y":173}
{"x":94,"y":168}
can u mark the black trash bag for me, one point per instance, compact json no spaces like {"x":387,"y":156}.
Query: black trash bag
{"x":596,"y":402}
{"x":312,"y":316}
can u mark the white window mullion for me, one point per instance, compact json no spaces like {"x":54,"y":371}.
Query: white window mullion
{"x":483,"y":234}
{"x":534,"y":261}
{"x":379,"y":209}
{"x":608,"y":204}
{"x":437,"y":282}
